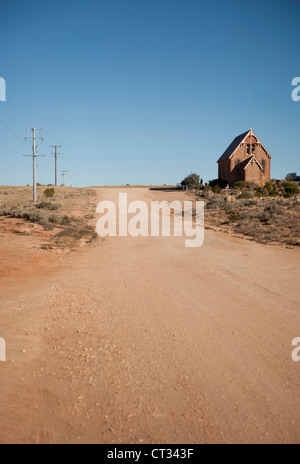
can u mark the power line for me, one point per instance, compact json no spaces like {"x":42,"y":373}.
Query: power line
{"x":9,"y":115}
{"x":9,"y":130}
{"x":20,"y":109}
{"x":189,"y":154}
{"x":10,"y":149}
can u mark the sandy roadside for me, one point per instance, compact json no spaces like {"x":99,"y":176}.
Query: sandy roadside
{"x":146,"y":341}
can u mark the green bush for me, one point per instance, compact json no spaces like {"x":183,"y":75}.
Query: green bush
{"x":290,"y":189}
{"x":269,"y":186}
{"x":241,"y":185}
{"x":49,"y":193}
{"x":260,"y":191}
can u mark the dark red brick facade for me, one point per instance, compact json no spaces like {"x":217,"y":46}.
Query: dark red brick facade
{"x":246,"y":159}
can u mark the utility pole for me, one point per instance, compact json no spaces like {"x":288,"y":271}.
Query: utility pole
{"x":71,"y":182}
{"x":55,"y":154}
{"x":63,"y":173}
{"x":34,"y":156}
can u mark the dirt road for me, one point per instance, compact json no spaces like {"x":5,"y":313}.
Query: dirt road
{"x":141,"y":340}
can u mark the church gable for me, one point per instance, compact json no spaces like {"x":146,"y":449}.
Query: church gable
{"x":245,"y":157}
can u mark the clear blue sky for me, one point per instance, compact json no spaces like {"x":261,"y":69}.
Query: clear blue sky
{"x":144,"y":92}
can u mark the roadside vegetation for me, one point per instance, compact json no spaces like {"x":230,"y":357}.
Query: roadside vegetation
{"x":266,"y":214}
{"x":66,"y":213}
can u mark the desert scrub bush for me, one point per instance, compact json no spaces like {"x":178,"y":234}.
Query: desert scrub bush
{"x":249,"y":203}
{"x":218,"y":185}
{"x":295,"y":203}
{"x":29,"y":215}
{"x":61,"y":220}
{"x":246,"y":195}
{"x":265,"y":217}
{"x":270,"y":187}
{"x":210,"y":205}
{"x":243,"y":185}
{"x":261,"y":191}
{"x":49,"y":193}
{"x":290,"y":189}
{"x":20,"y":232}
{"x":234,"y":216}
{"x":46,"y":246}
{"x":293,"y":242}
{"x":4,"y":211}
{"x":41,"y":219}
{"x":34,"y":217}
{"x":48,"y":205}
{"x":252,"y":186}
{"x":54,"y":219}
{"x":280,"y":202}
{"x":228,"y":207}
{"x":246,"y":215}
{"x":216,"y":203}
{"x":76,"y":233}
{"x":216,"y":189}
{"x":273,"y":209}
{"x":66,"y":220}
{"x":240,"y":185}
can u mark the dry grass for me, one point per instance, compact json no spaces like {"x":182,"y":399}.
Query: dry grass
{"x":68,"y":214}
{"x":265,"y":220}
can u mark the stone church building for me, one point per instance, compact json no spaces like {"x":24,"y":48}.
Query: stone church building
{"x":245,"y":159}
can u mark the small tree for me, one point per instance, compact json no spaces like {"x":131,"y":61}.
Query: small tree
{"x":192,"y":180}
{"x":49,"y":193}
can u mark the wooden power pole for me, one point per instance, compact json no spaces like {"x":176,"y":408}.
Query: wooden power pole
{"x":71,"y":180}
{"x":55,"y":155}
{"x":34,"y":156}
{"x":63,"y":173}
